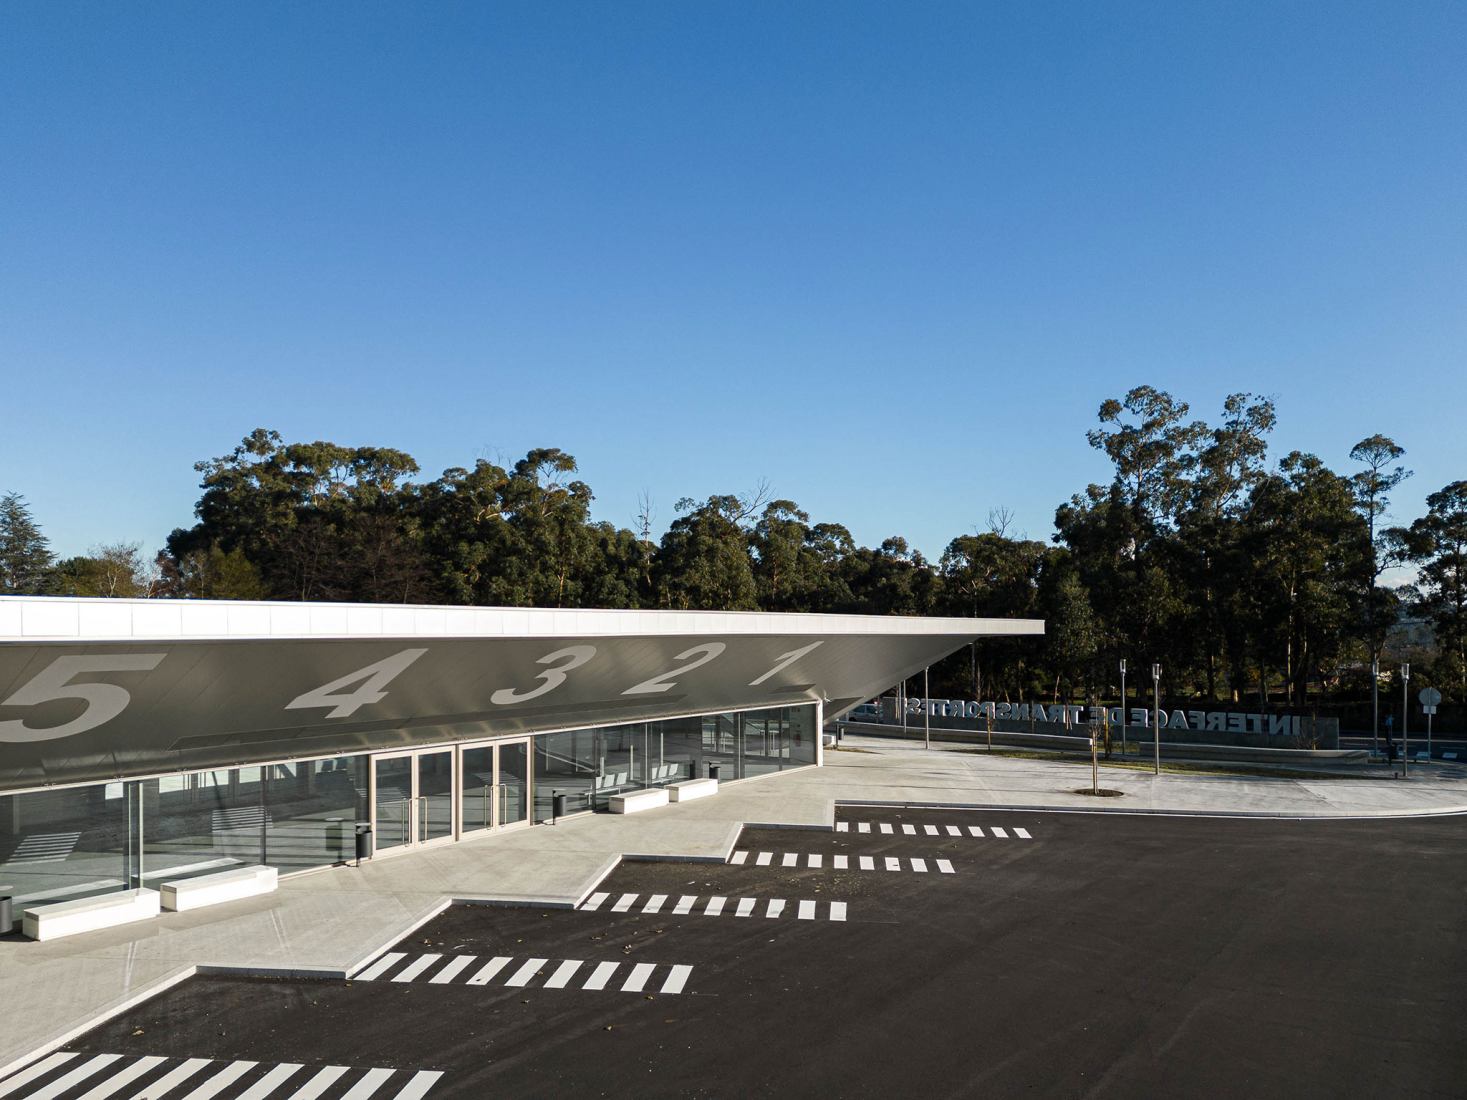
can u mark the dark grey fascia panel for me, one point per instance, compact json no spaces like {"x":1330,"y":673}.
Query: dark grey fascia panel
{"x":77,"y":709}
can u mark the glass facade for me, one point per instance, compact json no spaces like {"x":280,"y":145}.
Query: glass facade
{"x":589,"y":766}
{"x":67,"y":843}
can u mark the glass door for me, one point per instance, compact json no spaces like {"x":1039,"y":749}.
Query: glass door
{"x":495,"y":786}
{"x":412,"y":798}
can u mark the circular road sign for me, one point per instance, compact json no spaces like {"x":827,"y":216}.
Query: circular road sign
{"x":1429,"y":697}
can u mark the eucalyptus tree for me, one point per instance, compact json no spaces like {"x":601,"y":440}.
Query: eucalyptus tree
{"x":1305,"y":543}
{"x":1381,"y":472}
{"x":1437,"y":544}
{"x":703,"y":561}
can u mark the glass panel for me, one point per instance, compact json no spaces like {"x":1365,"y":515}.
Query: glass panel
{"x":435,"y":795}
{"x":514,"y":783}
{"x":477,"y":798}
{"x":392,"y":794}
{"x":569,"y":763}
{"x":63,"y":844}
{"x":312,"y":807}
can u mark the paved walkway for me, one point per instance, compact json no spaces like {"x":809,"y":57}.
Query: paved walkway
{"x":331,"y":921}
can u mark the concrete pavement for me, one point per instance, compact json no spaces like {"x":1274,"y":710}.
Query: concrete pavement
{"x":331,"y":921}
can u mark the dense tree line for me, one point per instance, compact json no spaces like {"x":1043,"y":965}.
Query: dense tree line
{"x":1250,"y":579}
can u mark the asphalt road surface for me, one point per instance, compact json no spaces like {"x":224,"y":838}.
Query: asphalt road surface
{"x":1100,"y":955}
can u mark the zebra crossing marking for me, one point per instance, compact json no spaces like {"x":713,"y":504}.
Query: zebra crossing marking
{"x":739,"y":857}
{"x":654,"y":903}
{"x":623,"y":903}
{"x":99,"y":1076}
{"x":512,"y":973}
{"x":714,"y":906}
{"x":791,"y":859}
{"x":843,"y":863}
{"x":909,"y":829}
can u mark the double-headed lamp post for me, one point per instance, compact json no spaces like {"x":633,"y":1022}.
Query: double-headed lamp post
{"x":1405,"y":720}
{"x":1156,"y":717}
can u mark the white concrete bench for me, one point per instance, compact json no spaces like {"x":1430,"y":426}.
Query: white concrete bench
{"x":690,"y":789}
{"x":201,"y":890}
{"x":67,"y":918}
{"x":634,"y":802}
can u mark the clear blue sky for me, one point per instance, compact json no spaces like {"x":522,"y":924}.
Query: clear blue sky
{"x":889,"y":256}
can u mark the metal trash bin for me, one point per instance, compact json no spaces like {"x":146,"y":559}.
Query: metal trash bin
{"x":713,"y":770}
{"x":7,"y":918}
{"x":557,"y":806}
{"x":364,"y":840}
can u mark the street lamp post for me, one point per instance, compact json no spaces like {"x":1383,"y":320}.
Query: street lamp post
{"x":1405,"y":720}
{"x":1156,"y":717}
{"x":1374,"y":705}
{"x":1124,"y":723}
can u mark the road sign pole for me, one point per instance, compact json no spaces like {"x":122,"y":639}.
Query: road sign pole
{"x":1156,"y":719}
{"x":1429,"y":712}
{"x":926,"y":712}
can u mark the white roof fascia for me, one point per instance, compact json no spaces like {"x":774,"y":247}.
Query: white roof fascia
{"x":80,"y":619}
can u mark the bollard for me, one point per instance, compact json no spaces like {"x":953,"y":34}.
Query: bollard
{"x":364,"y":841}
{"x":7,"y":919}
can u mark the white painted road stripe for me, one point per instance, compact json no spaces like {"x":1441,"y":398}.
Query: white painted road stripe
{"x":595,"y":902}
{"x":975,"y":830}
{"x":944,"y":866}
{"x":600,"y":976}
{"x":714,"y":907}
{"x":807,"y":910}
{"x":623,"y":903}
{"x":677,"y":979}
{"x":381,"y":966}
{"x":746,"y":906}
{"x":449,"y":972}
{"x":69,"y":1080}
{"x":930,"y":830}
{"x":919,"y":864}
{"x":1022,"y":832}
{"x":418,"y":1087}
{"x":221,"y":1080}
{"x":40,"y":1069}
{"x":763,"y":858}
{"x":638,"y":978}
{"x":125,"y":1077}
{"x":563,"y":973}
{"x":684,"y":903}
{"x":910,"y":830}
{"x":369,"y":1084}
{"x":816,"y":859}
{"x":842,"y":826}
{"x":319,"y":1083}
{"x":416,"y":967}
{"x":837,"y":910}
{"x":776,"y":907}
{"x":523,"y":975}
{"x":266,"y":1085}
{"x":491,"y":968}
{"x":739,"y":857}
{"x":999,"y":832}
{"x":791,"y":859}
{"x":953,"y":830}
{"x":885,"y":828}
{"x":867,"y":863}
{"x":863,"y":827}
{"x":893,"y":864}
{"x":841,"y":862}
{"x":654,"y":903}
{"x":175,"y":1077}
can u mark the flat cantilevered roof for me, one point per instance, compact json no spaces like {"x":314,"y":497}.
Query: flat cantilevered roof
{"x":96,"y":689}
